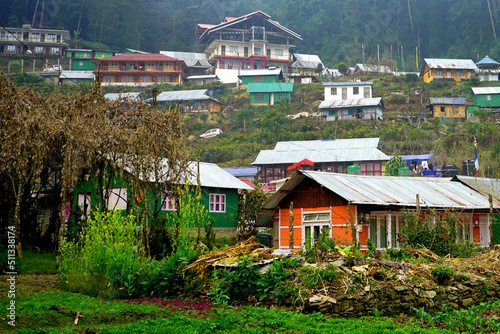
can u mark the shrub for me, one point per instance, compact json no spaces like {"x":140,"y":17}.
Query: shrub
{"x":109,"y":259}
{"x":443,"y":274}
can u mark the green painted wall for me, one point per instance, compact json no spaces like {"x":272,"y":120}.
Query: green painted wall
{"x":227,"y":219}
{"x":265,"y":78}
{"x":482,"y":100}
{"x":267,"y":98}
{"x":82,"y":65}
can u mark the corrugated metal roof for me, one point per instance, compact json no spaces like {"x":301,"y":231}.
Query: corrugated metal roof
{"x":269,"y":87}
{"x":242,"y":171}
{"x":373,"y":68}
{"x":330,"y":104}
{"x":306,"y":61}
{"x":341,"y":150}
{"x":390,"y":190}
{"x":466,"y":64}
{"x":481,"y":184}
{"x":260,"y":72}
{"x":210,"y":76}
{"x":77,"y":75}
{"x":485,"y":90}
{"x":448,"y":100}
{"x":138,"y":57}
{"x":192,"y":59}
{"x":211,"y":175}
{"x":487,"y":60}
{"x":183,"y":95}
{"x":120,"y":96}
{"x":348,"y":83}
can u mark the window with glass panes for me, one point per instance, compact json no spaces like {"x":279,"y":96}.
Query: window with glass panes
{"x":217,"y":203}
{"x":314,"y":226}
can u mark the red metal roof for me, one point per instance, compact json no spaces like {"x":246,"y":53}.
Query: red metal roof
{"x":139,"y":57}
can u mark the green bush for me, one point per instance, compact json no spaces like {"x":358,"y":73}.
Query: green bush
{"x":109,"y":259}
{"x":443,"y":274}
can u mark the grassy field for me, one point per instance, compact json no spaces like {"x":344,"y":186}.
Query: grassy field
{"x":41,"y":307}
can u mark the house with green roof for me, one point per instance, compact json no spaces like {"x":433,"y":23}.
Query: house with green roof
{"x":269,"y":93}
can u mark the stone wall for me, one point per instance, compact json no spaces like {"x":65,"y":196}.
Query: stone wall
{"x":395,"y":298}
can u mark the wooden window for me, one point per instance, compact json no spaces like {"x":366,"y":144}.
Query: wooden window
{"x":114,"y":65}
{"x":169,"y":65}
{"x":117,"y":199}
{"x":333,"y":91}
{"x":168,"y":201}
{"x":259,"y":96}
{"x":258,"y":78}
{"x":151,"y":65}
{"x":217,"y":203}
{"x":355,"y":90}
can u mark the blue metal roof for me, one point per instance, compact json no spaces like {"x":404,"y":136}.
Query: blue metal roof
{"x":487,"y":60}
{"x":242,"y":171}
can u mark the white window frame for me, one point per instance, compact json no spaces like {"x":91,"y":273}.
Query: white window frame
{"x":168,"y":201}
{"x":333,"y":91}
{"x":51,"y":37}
{"x":217,"y":203}
{"x":278,"y":52}
{"x":117,"y":199}
{"x":84,"y":199}
{"x":323,"y":219}
{"x":114,"y":65}
{"x":38,"y":49}
{"x":11,"y":48}
{"x":169,"y":65}
{"x":151,"y":65}
{"x":488,"y":97}
{"x":54,"y":50}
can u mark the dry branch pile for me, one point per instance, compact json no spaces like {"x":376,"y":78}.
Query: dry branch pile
{"x":230,"y":255}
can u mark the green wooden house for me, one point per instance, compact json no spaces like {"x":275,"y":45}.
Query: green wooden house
{"x":260,"y":76}
{"x":269,"y":93}
{"x":485,"y":98}
{"x":219,"y":194}
{"x":83,"y":59}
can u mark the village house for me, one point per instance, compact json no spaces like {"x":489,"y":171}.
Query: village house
{"x":195,"y":100}
{"x":305,"y":68}
{"x":336,"y":155}
{"x":488,"y":69}
{"x":447,"y":107}
{"x":76,"y":77}
{"x":348,"y":90}
{"x":219,"y":191}
{"x":456,"y":69}
{"x":252,"y":41}
{"x":265,"y":75}
{"x":27,"y":40}
{"x":351,"y":109}
{"x":370,"y":69}
{"x":84,"y":59}
{"x":196,"y":62}
{"x":355,"y":208}
{"x":139,"y":69}
{"x":269,"y":94}
{"x":485,"y":98}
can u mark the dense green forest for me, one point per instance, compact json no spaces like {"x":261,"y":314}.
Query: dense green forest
{"x":334,"y":29}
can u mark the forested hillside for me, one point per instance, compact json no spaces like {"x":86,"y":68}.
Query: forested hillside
{"x":334,"y":29}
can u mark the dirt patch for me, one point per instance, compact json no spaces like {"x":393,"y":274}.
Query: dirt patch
{"x":32,"y":284}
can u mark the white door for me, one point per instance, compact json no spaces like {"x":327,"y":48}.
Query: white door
{"x":271,"y":99}
{"x":484,"y":231}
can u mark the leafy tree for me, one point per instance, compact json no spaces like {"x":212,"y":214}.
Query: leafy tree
{"x":482,"y":114}
{"x":249,"y":203}
{"x":392,"y":166}
{"x":342,"y":67}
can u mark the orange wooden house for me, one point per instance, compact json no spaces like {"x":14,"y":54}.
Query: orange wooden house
{"x":321,"y":203}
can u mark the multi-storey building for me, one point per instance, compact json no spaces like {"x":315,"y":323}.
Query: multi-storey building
{"x":28,"y":40}
{"x":252,"y":41}
{"x":83,"y":59}
{"x":137,"y":69}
